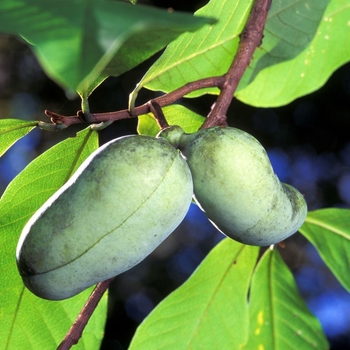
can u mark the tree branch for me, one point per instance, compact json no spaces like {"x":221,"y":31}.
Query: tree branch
{"x":251,"y":38}
{"x":76,"y":331}
{"x":62,"y":121}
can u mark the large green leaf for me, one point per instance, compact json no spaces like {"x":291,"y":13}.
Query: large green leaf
{"x":329,"y":231}
{"x":11,"y":130}
{"x":28,"y":322}
{"x":175,"y":115}
{"x":290,"y":28}
{"x":208,"y":52}
{"x":282,"y":83}
{"x":79,"y":43}
{"x":210,"y":310}
{"x":279,"y":318}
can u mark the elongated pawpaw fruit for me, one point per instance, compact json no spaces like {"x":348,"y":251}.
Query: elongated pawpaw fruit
{"x":121,"y":203}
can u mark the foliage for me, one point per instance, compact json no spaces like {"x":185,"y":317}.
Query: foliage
{"x":81,"y":43}
{"x":29,"y":320}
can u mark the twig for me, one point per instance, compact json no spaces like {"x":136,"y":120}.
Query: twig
{"x":76,"y":331}
{"x":162,"y":101}
{"x":251,"y":38}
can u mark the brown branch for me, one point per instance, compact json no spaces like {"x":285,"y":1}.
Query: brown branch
{"x":251,"y":38}
{"x":162,"y":101}
{"x":76,"y":331}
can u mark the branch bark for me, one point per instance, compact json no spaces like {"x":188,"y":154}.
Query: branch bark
{"x":62,"y":121}
{"x":76,"y":331}
{"x":251,"y":38}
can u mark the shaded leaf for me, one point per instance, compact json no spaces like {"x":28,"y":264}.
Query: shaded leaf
{"x":175,"y":115}
{"x":279,"y":318}
{"x":209,"y":311}
{"x":11,"y":130}
{"x":80,"y":43}
{"x":30,"y":322}
{"x":329,"y":231}
{"x":282,"y":83}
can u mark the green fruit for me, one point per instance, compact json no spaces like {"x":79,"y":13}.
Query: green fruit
{"x":235,"y":185}
{"x":121,"y":203}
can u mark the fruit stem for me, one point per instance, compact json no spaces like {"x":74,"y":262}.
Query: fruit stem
{"x":76,"y":331}
{"x":158,"y":114}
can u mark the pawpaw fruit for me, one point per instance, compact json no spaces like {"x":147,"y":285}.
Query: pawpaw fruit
{"x":235,"y":185}
{"x":120,"y":204}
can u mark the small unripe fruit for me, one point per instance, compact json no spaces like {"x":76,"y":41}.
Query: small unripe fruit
{"x":121,"y":203}
{"x":235,"y":185}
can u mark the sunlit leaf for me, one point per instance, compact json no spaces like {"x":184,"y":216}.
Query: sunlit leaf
{"x":175,"y":115}
{"x":281,"y":83}
{"x":210,"y":310}
{"x":27,"y":321}
{"x":329,"y":231}
{"x":11,"y":130}
{"x":279,"y":318}
{"x":290,"y":28}
{"x":80,"y":43}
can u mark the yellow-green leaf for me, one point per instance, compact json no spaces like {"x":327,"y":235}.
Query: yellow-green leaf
{"x":11,"y":130}
{"x":28,"y":322}
{"x":279,"y":318}
{"x":329,"y":231}
{"x":209,"y":311}
{"x":175,"y":115}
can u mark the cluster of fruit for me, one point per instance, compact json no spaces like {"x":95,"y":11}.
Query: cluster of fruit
{"x":132,"y":192}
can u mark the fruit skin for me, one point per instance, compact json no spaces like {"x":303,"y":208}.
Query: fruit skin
{"x":234,"y":183}
{"x":121,"y":203}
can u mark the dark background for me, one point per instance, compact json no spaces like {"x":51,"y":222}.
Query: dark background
{"x":308,"y":144}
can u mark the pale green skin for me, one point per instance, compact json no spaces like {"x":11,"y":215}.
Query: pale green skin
{"x":234,"y":183}
{"x":122,"y":202}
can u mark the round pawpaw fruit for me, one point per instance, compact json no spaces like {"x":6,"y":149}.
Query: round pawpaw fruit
{"x":235,"y":185}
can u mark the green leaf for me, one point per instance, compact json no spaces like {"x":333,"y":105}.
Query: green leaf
{"x":279,"y":318}
{"x":175,"y":115}
{"x":208,"y":52}
{"x":290,"y":27}
{"x":209,"y":311}
{"x":42,"y":324}
{"x":11,"y":130}
{"x":80,"y":43}
{"x":279,"y":84}
{"x":29,"y":322}
{"x":329,"y":231}
{"x":304,"y":43}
